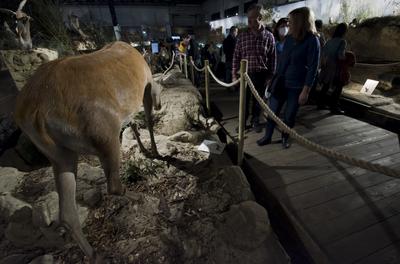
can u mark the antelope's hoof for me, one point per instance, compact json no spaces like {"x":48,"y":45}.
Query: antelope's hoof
{"x":97,"y":259}
{"x":117,"y":190}
{"x":61,"y":231}
{"x":154,"y":154}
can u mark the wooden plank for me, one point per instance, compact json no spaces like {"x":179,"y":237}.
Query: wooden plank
{"x":311,"y":187}
{"x":361,"y":244}
{"x":362,"y":148}
{"x":387,"y":255}
{"x":255,"y":150}
{"x":334,"y":191}
{"x":317,"y":182}
{"x":356,"y":220}
{"x":320,"y":213}
{"x":277,"y":176}
{"x":355,"y":199}
{"x":320,"y":128}
{"x":335,"y":140}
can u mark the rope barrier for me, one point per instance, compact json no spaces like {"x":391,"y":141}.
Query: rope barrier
{"x":171,"y":64}
{"x":195,"y":67}
{"x":318,"y":148}
{"x":221,"y":82}
{"x":377,"y":64}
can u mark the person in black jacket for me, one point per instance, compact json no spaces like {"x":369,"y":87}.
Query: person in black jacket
{"x":228,"y":47}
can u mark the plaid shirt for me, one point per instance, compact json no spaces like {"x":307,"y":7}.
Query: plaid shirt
{"x":259,"y":50}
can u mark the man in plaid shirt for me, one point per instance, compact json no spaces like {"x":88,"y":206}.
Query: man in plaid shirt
{"x":257,"y":46}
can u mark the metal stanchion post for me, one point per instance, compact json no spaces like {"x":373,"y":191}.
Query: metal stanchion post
{"x":185,"y":66}
{"x":180,"y":62}
{"x":191,"y":69}
{"x":207,"y":84}
{"x":242,"y":107}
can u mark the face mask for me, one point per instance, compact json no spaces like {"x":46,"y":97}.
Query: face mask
{"x":283,"y":31}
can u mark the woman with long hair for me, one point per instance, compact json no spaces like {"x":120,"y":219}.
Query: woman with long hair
{"x":298,"y":68}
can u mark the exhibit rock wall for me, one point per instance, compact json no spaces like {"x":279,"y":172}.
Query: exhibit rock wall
{"x":20,"y":65}
{"x":377,"y":40}
{"x":375,"y":43}
{"x":189,"y":207}
{"x":374,"y":40}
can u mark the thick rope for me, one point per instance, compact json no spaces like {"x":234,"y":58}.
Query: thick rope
{"x":195,"y":67}
{"x":318,"y":148}
{"x":377,"y":64}
{"x":221,"y":82}
{"x":171,"y":64}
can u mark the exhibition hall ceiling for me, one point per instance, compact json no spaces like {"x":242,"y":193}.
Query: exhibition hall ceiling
{"x":136,"y":2}
{"x":12,"y":3}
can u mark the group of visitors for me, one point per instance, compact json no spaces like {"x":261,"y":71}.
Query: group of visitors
{"x":288,"y":62}
{"x":199,"y":54}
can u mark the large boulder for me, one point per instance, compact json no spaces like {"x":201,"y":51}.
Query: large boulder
{"x":36,"y":225}
{"x":9,"y":179}
{"x":13,"y":209}
{"x":9,"y":132}
{"x":183,"y":208}
{"x":244,"y":236}
{"x":181,"y":106}
{"x":23,"y":63}
{"x":29,"y":204}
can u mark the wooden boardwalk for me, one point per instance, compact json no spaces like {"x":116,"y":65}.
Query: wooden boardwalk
{"x":343,"y":214}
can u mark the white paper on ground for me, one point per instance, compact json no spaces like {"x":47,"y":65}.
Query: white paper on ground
{"x":210,"y":146}
{"x":369,"y":86}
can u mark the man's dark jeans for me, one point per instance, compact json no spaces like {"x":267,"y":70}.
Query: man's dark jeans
{"x":228,"y":71}
{"x":259,"y":81}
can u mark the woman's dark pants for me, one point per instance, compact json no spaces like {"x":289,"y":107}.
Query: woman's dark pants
{"x":291,"y":97}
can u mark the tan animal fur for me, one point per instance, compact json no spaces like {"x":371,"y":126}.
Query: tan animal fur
{"x":76,"y":105}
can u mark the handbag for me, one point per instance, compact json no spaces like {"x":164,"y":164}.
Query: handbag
{"x":344,"y":72}
{"x":276,"y":86}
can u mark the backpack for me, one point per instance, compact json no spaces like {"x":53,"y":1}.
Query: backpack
{"x":343,"y":75}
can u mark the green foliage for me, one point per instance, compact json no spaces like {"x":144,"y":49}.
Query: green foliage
{"x":48,"y":28}
{"x":7,"y":40}
{"x":381,"y":21}
{"x":267,"y":13}
{"x":140,"y":168}
{"x":140,"y":119}
{"x":99,"y":34}
{"x":345,"y":10}
{"x":50,"y":31}
{"x":363,"y":14}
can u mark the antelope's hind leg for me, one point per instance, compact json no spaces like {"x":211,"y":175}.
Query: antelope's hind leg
{"x":65,"y":166}
{"x":148,"y":109}
{"x":109,"y":154}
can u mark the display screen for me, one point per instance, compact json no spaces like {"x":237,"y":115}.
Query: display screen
{"x":154,"y":47}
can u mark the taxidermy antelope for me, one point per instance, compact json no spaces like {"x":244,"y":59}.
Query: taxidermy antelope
{"x":73,"y":25}
{"x":23,"y":26}
{"x":77,"y":105}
